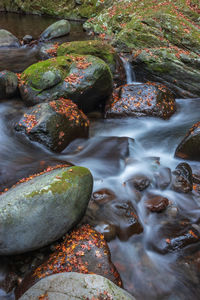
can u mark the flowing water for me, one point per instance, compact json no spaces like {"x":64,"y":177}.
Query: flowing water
{"x":117,"y":150}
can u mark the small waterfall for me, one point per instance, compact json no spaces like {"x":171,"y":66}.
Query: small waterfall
{"x":130,"y":75}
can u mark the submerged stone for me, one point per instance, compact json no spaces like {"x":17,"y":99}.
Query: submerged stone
{"x":138,"y":100}
{"x":41,"y":209}
{"x":55,"y":30}
{"x":182,"y":178}
{"x":54,"y":124}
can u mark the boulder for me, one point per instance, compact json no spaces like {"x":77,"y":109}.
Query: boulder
{"x":156,"y":203}
{"x":98,"y":48}
{"x":8,"y":84}
{"x":163,"y":39}
{"x":7,"y":39}
{"x":75,"y":286}
{"x":83,"y":251}
{"x":189,"y":147}
{"x":182,"y":181}
{"x":55,"y":30}
{"x":54,"y":200}
{"x":86,"y":80}
{"x":54,"y":124}
{"x":138,"y":100}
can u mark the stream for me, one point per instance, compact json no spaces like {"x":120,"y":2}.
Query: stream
{"x":117,"y":150}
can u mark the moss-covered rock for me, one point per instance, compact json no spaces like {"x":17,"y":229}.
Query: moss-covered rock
{"x":54,"y":124}
{"x":60,"y":8}
{"x":138,"y":100}
{"x":86,"y":80}
{"x":161,"y":27}
{"x":40,"y":210}
{"x":96,"y":48}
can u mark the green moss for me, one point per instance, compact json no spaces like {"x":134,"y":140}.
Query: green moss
{"x":62,"y":182}
{"x":94,"y":47}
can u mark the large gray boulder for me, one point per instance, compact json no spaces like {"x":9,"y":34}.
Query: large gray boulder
{"x":55,"y":30}
{"x":74,"y":286}
{"x":8,"y":84}
{"x":39,"y":211}
{"x":7,"y":39}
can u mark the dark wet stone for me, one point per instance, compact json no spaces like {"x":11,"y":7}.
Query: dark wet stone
{"x":196,"y":178}
{"x":8,"y":84}
{"x":182,"y":181}
{"x":27,"y":39}
{"x":54,"y":124}
{"x":102,"y":196}
{"x":108,"y":230}
{"x":139,"y":182}
{"x":149,"y":99}
{"x":156,"y":203}
{"x":184,"y":239}
{"x":189,"y":148}
{"x":163,"y":178}
{"x":83,"y":251}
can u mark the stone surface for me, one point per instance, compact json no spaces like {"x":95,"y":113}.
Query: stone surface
{"x":56,"y":200}
{"x":54,"y":124}
{"x":76,"y":286}
{"x":8,"y":84}
{"x":139,"y":182}
{"x":137,"y":100}
{"x":182,"y":181}
{"x":86,"y":80}
{"x":156,"y":203}
{"x":189,"y":147}
{"x":83,"y":251}
{"x":7,"y":39}
{"x":55,"y":30}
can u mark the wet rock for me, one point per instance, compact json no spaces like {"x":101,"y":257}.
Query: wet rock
{"x":182,"y":178}
{"x":86,"y":80}
{"x":103,"y":196}
{"x":54,"y":124}
{"x":109,"y":231}
{"x":75,"y":286}
{"x":149,"y":99}
{"x":7,"y":39}
{"x":27,"y":39}
{"x":163,"y":178}
{"x":196,"y":178}
{"x":55,"y":30}
{"x":183,"y":239}
{"x":99,"y":49}
{"x":83,"y":251}
{"x":189,"y":148}
{"x":55,"y":199}
{"x":139,"y":182}
{"x":156,"y":203}
{"x":8,"y":84}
